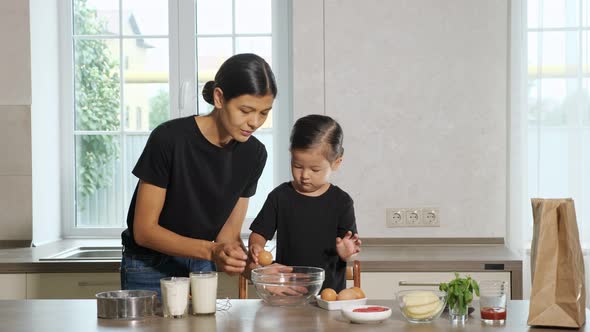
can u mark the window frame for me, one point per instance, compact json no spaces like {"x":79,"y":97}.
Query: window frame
{"x":183,"y":99}
{"x":519,"y":228}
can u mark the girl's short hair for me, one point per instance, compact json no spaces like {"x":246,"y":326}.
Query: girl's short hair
{"x":315,"y":130}
{"x":242,"y":74}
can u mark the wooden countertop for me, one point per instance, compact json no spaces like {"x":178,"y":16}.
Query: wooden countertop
{"x":244,"y":315}
{"x":379,"y":255}
{"x":436,"y":257}
{"x":375,"y":257}
{"x":26,"y":260}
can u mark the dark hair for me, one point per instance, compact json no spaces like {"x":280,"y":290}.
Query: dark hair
{"x":313,"y":130}
{"x":242,"y":74}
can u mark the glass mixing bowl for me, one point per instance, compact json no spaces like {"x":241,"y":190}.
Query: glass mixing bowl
{"x":287,"y":285}
{"x":421,"y":305}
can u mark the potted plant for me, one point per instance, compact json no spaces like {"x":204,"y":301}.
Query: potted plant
{"x":459,"y":295}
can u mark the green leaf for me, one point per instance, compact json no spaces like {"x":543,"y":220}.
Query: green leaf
{"x":468,"y":297}
{"x":475,"y":287}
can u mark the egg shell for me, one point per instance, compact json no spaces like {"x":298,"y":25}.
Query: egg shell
{"x":347,"y":294}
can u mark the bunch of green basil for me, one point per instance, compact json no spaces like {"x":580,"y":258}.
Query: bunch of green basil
{"x":459,"y":293}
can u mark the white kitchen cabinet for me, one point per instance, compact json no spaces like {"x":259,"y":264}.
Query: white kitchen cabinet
{"x":86,"y":285}
{"x":384,"y":285}
{"x":70,"y":285}
{"x":13,"y":286}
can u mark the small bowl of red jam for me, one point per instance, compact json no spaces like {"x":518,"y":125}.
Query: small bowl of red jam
{"x":362,"y":314}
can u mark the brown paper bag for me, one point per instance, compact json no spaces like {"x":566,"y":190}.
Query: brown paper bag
{"x":558,"y":296}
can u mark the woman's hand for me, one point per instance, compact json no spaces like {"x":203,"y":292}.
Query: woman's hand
{"x":229,"y":257}
{"x":277,"y":268}
{"x":283,"y":290}
{"x":287,"y":290}
{"x":348,"y":245}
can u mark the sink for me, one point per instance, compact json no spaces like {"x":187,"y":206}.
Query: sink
{"x":86,"y":254}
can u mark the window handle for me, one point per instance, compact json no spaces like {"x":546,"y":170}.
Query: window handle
{"x":185,"y":94}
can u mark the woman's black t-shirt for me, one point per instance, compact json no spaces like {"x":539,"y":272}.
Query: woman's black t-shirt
{"x":307,"y":228}
{"x":203,"y":182}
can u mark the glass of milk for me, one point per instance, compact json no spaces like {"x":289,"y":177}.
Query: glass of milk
{"x":204,"y":292}
{"x":175,"y":296}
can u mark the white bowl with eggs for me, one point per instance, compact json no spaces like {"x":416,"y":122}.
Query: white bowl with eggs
{"x":339,"y":305}
{"x":329,"y":300}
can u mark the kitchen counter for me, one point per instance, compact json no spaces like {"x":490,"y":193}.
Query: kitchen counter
{"x":377,"y":255}
{"x":244,"y":315}
{"x":443,"y":258}
{"x":26,"y":260}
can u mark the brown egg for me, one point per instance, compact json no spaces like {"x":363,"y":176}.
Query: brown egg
{"x":359,"y":292}
{"x":328,"y":294}
{"x":347,"y":294}
{"x":265,"y":258}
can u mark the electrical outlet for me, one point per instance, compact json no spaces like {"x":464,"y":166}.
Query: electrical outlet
{"x":430,"y":217}
{"x":395,"y":217}
{"x":413,"y":217}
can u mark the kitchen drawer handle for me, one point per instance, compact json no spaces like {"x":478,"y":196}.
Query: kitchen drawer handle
{"x":405,"y":283}
{"x":98,"y":283}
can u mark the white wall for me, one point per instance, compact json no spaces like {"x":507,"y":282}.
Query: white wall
{"x":420,"y":88}
{"x":45,"y":121}
{"x":15,"y":58}
{"x":15,"y":121}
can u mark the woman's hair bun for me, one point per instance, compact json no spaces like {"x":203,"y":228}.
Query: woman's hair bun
{"x":208,"y":91}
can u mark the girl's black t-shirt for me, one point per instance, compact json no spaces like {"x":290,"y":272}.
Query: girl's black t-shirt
{"x":203,"y":182}
{"x":307,"y":228}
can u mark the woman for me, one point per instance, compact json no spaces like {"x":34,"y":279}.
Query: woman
{"x":195,"y":177}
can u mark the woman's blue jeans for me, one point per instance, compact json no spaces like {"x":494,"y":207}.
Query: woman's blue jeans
{"x":144,"y":270}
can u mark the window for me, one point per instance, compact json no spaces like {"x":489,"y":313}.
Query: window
{"x":556,"y":105}
{"x":135,"y":64}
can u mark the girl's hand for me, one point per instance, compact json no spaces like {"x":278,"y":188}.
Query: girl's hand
{"x":348,"y":245}
{"x":253,"y":253}
{"x":229,"y":257}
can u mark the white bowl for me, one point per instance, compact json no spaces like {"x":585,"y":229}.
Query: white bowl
{"x":363,"y":317}
{"x":338,"y":305}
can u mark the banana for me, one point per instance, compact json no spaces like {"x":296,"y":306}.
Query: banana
{"x":425,"y":315}
{"x":423,"y":309}
{"x":420,"y":298}
{"x":421,"y":304}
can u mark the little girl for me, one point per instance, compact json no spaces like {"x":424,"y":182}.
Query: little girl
{"x":313,"y":218}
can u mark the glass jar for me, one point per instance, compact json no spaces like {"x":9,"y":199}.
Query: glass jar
{"x":458,"y":312}
{"x":492,"y":301}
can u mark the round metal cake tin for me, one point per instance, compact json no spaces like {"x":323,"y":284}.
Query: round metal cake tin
{"x":126,"y":304}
